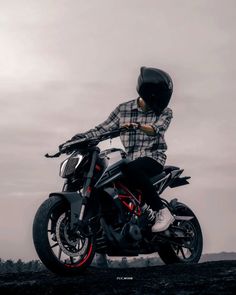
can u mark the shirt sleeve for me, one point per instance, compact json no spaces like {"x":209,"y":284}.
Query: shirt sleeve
{"x":163,"y":121}
{"x":111,"y":123}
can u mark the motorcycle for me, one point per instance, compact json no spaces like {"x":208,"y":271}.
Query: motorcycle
{"x":97,"y":211}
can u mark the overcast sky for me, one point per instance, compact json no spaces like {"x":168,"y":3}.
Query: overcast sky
{"x":65,"y":65}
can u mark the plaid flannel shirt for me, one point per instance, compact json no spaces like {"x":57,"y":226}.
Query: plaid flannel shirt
{"x":136,"y":142}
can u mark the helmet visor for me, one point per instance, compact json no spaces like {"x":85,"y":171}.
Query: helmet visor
{"x":155,"y":96}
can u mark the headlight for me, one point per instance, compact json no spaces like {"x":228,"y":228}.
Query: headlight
{"x":68,"y":166}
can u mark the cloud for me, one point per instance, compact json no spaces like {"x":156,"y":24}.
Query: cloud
{"x":64,"y":67}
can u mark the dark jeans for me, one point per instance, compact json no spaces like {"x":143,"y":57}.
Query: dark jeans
{"x":138,"y":173}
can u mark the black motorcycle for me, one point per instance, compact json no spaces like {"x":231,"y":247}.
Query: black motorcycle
{"x":98,"y":212}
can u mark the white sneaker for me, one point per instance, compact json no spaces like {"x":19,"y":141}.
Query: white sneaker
{"x":163,"y":220}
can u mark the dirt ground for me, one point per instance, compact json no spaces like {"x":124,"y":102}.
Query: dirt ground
{"x":203,"y":278}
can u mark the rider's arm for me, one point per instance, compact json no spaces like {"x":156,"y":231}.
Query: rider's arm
{"x":162,"y":123}
{"x":111,"y":123}
{"x":148,"y":129}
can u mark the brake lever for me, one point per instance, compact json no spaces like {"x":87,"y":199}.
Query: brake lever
{"x":53,"y":156}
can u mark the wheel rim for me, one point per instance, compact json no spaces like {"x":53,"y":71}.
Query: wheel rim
{"x":188,"y":249}
{"x":70,"y":251}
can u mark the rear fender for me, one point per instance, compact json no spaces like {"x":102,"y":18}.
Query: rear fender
{"x":174,"y":205}
{"x":178,"y":181}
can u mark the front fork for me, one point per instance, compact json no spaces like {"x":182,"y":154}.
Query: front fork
{"x":87,"y":184}
{"x":86,"y":192}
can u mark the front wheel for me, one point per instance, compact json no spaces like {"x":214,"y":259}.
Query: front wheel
{"x":187,"y":244}
{"x":59,"y":250}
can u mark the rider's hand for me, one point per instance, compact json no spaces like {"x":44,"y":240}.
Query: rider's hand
{"x":131,"y":125}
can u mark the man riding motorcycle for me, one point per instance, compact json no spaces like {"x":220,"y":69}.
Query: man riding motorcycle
{"x":149,"y":118}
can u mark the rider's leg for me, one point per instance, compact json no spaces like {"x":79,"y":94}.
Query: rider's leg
{"x":138,"y":173}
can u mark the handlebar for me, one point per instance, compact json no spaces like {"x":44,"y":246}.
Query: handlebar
{"x":70,"y":146}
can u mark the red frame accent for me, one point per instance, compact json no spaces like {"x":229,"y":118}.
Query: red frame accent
{"x":89,"y":189}
{"x":97,"y":167}
{"x":129,"y":196}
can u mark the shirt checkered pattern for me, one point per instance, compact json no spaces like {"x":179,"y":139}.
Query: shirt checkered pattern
{"x":136,"y":142}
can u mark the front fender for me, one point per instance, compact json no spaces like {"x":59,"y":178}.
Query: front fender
{"x":75,"y":201}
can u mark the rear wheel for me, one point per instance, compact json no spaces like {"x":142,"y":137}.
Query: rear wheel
{"x":60,"y":250}
{"x":187,"y":245}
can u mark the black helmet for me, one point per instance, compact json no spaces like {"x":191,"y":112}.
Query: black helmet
{"x":155,"y":87}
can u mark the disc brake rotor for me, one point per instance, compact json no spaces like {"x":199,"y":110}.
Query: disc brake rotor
{"x":68,"y":245}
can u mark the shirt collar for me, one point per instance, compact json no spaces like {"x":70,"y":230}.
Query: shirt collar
{"x":135,"y":106}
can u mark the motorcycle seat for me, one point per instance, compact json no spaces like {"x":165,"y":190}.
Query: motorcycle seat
{"x":165,"y":171}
